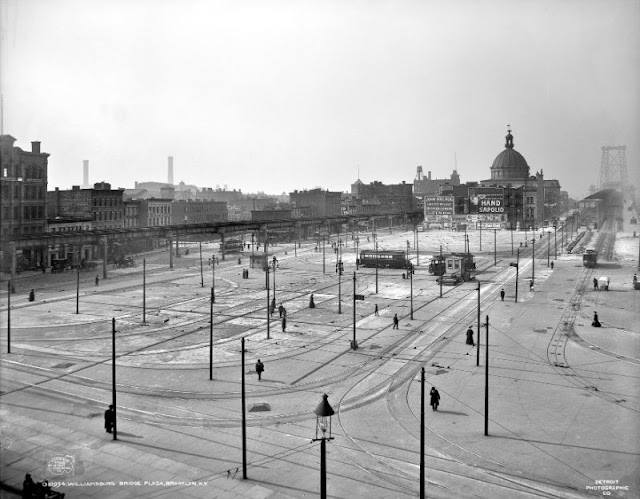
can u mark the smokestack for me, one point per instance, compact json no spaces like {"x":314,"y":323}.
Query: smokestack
{"x":85,"y":173}
{"x":35,"y":147}
{"x":170,"y":179}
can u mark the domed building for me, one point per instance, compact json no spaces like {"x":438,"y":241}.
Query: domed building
{"x":512,"y":196}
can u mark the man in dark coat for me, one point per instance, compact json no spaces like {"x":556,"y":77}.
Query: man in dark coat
{"x":109,"y":419}
{"x":311,"y":302}
{"x":435,"y":398}
{"x":395,"y":321}
{"x":470,"y":336}
{"x":596,"y":322}
{"x":259,"y":369}
{"x":32,"y":295}
{"x":28,"y":487}
{"x":502,"y":294}
{"x":284,"y":323}
{"x":280,"y":309}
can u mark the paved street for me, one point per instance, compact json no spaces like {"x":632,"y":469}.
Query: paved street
{"x":563,"y":396}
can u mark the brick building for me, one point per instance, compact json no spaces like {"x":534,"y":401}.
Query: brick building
{"x":105,"y":206}
{"x":315,"y":202}
{"x":200,"y":211}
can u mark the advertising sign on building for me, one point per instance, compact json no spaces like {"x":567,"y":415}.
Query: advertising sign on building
{"x":487,"y":201}
{"x":436,"y":207}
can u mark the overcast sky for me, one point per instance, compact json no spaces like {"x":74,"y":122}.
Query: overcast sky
{"x":283,"y":95}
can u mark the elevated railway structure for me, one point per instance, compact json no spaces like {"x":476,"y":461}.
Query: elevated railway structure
{"x":105,"y":238}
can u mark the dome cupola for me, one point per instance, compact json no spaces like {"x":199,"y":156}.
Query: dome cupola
{"x":509,"y":165}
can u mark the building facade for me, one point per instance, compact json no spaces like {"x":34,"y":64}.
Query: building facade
{"x":23,"y":201}
{"x":316,"y":202}
{"x":198,"y":211}
{"x":105,"y":206}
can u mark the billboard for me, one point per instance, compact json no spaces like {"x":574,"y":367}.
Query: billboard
{"x":487,"y":201}
{"x":436,"y":207}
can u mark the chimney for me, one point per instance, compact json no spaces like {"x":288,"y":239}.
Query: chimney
{"x":170,"y":179}
{"x":35,"y":147}
{"x":85,"y":173}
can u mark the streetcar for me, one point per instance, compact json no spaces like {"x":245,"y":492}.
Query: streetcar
{"x":390,"y":259}
{"x":232,"y":246}
{"x":438,"y":264}
{"x":590,"y":258}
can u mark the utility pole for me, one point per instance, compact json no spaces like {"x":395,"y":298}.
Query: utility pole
{"x":444,"y":268}
{"x":201,"y":273}
{"x":478,"y":329}
{"x":548,"y":248}
{"x":144,"y":290}
{"x":268,"y":300}
{"x":375,"y":239}
{"x":495,"y":249}
{"x":244,"y":421}
{"x":533,"y":260}
{"x":213,"y":277}
{"x":113,"y":378}
{"x":422,"y":484}
{"x":517,"y":273}
{"x":411,"y":278}
{"x":211,"y":336}
{"x":9,"y":316}
{"x":486,"y":383}
{"x":78,"y":290}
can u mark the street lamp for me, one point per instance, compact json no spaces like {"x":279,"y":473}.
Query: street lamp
{"x":323,"y":433}
{"x":410,"y":267}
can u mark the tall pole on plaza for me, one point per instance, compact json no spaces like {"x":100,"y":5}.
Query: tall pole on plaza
{"x":443,"y":270}
{"x":548,"y":248}
{"x":495,"y":249}
{"x":517,"y":273}
{"x":555,"y":242}
{"x":375,"y":240}
{"x":339,"y":286}
{"x":354,"y":344}
{"x":478,"y":328}
{"x":273,"y":300}
{"x":78,"y":290}
{"x":422,"y":485}
{"x":533,"y":260}
{"x":244,"y":422}
{"x":213,"y":277}
{"x":211,"y":336}
{"x":511,"y":240}
{"x":411,"y":286}
{"x":201,"y":272}
{"x":417,"y":248}
{"x":113,"y":378}
{"x":562,"y":240}
{"x":9,"y":316}
{"x":268,"y":301}
{"x":323,"y":259}
{"x":144,"y":290}
{"x":486,"y":382}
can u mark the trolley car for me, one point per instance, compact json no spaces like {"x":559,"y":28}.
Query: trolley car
{"x":391,"y":259}
{"x":438,"y":264}
{"x":232,"y":246}
{"x":590,"y":258}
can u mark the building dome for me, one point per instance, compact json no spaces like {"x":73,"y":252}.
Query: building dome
{"x":509,"y":164}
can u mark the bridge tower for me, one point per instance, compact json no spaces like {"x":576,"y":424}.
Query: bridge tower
{"x":613,"y":169}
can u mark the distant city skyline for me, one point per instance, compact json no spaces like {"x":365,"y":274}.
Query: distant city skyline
{"x":282,"y":95}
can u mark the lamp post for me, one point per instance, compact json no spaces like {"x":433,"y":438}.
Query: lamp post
{"x":9,"y":316}
{"x":548,"y":248}
{"x":213,"y":278}
{"x":555,"y":242}
{"x":268,"y":300}
{"x":444,"y":268}
{"x":323,"y":433}
{"x":533,"y":260}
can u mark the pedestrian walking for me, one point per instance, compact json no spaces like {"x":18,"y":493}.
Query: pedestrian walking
{"x":284,"y":323}
{"x":280,"y":310}
{"x":551,"y":265}
{"x":97,"y":280}
{"x":311,"y":302}
{"x":595,"y":283}
{"x":395,"y":321}
{"x":596,"y":322}
{"x":531,"y":285}
{"x":259,"y":369}
{"x":375,"y":310}
{"x":470,"y":336}
{"x":502,"y":294}
{"x":109,"y":419}
{"x":32,"y":295}
{"x":435,"y":398}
